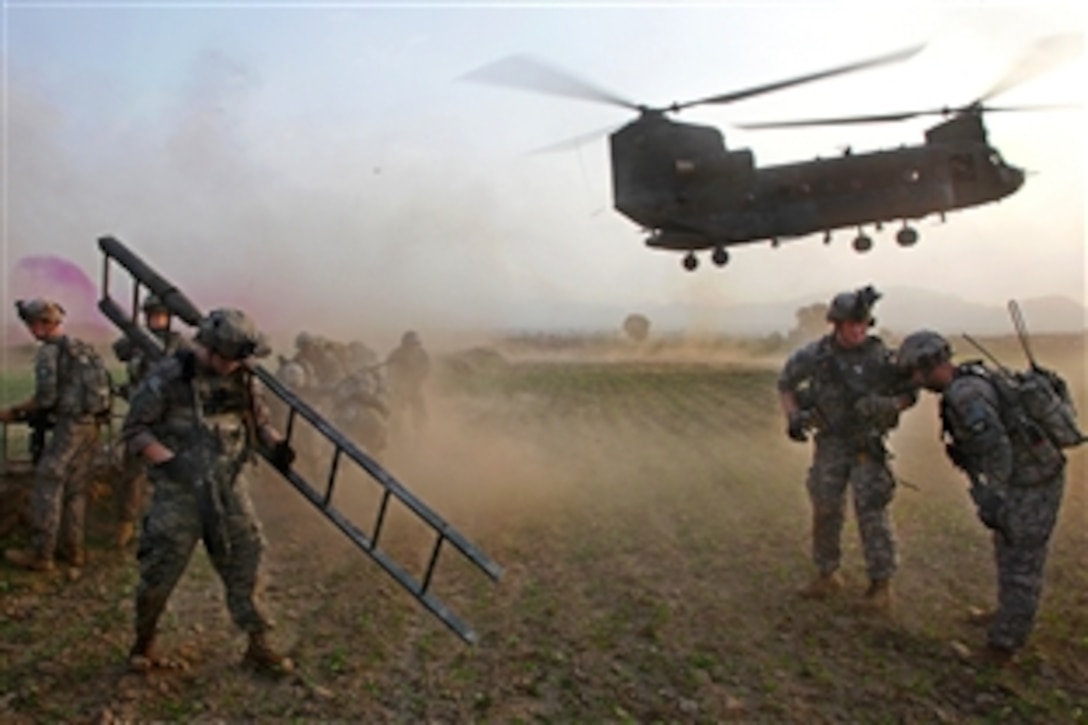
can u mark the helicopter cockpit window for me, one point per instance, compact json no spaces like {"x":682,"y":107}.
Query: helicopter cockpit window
{"x":995,"y":159}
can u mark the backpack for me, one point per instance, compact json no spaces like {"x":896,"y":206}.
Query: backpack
{"x":87,"y":371}
{"x":1044,"y":397}
{"x":1036,"y":399}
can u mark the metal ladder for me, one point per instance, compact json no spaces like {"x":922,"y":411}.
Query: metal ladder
{"x":321,"y":496}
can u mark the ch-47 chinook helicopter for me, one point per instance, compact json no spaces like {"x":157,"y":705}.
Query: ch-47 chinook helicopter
{"x":682,"y":185}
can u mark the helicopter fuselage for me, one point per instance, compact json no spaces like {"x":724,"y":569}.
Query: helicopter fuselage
{"x":681,"y":182}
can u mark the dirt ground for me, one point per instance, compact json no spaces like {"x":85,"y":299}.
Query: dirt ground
{"x":651,"y":518}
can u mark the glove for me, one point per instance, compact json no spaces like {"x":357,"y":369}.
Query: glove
{"x":881,"y":410}
{"x":281,"y":456}
{"x":990,"y":506}
{"x":181,"y":468}
{"x":799,"y":422}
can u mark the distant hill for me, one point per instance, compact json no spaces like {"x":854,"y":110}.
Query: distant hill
{"x":900,"y":310}
{"x":905,"y":309}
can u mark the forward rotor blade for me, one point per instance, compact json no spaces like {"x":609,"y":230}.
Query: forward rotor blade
{"x":799,"y":80}
{"x":575,"y":142}
{"x":529,"y":74}
{"x":1043,"y":55}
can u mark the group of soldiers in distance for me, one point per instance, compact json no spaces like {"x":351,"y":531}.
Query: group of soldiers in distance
{"x":368,"y":398}
{"x":196,"y":419}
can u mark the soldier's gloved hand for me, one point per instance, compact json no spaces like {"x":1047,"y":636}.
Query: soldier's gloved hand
{"x":990,"y":506}
{"x":798,"y":425}
{"x":181,"y":468}
{"x":282,"y":455}
{"x":881,"y":410}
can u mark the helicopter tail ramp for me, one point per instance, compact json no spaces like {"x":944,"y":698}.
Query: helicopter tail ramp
{"x":344,"y":451}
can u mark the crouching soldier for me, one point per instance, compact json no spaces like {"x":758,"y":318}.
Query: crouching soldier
{"x":196,"y":419}
{"x":1017,"y":477}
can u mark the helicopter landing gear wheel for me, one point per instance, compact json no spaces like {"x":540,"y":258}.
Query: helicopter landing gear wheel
{"x":906,"y":237}
{"x":862,"y":243}
{"x":690,"y":261}
{"x":720,"y":256}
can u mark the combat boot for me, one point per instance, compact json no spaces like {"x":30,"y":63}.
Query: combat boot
{"x":28,"y":559}
{"x":261,"y":656}
{"x":980,"y":617}
{"x":143,"y":656}
{"x":878,"y":597}
{"x":990,"y":655}
{"x":823,"y":586}
{"x":126,"y":532}
{"x":77,"y":557}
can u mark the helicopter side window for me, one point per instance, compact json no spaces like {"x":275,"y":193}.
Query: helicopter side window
{"x":995,"y":159}
{"x":912,"y":176}
{"x":685,"y":166}
{"x":962,"y":166}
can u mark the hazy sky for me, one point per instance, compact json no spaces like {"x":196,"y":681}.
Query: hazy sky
{"x":325,"y":161}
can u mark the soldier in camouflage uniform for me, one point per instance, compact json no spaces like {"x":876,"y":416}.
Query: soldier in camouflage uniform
{"x":133,"y":488}
{"x":1018,"y":482}
{"x":317,"y":356}
{"x":196,"y":419}
{"x":409,"y":365}
{"x":59,"y":497}
{"x":360,"y":402}
{"x":846,"y":386}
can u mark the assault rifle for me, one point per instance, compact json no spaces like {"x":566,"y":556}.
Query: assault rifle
{"x":39,"y":422}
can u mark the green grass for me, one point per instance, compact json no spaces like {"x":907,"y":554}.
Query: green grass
{"x":654,"y":568}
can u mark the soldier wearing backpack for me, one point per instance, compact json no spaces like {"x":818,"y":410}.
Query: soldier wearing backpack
{"x":1017,"y":473}
{"x":68,"y":396}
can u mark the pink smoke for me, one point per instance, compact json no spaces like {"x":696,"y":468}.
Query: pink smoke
{"x":46,"y":275}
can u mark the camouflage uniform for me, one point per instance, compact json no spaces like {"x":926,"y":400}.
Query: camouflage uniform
{"x":59,"y":499}
{"x":849,"y":449}
{"x":1030,"y":476}
{"x":134,"y":483}
{"x":162,"y":410}
{"x":409,"y":365}
{"x":361,"y":407}
{"x":210,"y":421}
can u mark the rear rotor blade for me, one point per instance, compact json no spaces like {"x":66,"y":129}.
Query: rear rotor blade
{"x":840,"y":121}
{"x":902,"y":116}
{"x":1043,"y":55}
{"x":808,"y":78}
{"x":529,"y":74}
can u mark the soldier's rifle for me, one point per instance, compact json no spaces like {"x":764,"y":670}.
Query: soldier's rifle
{"x":871,"y":442}
{"x":343,"y":448}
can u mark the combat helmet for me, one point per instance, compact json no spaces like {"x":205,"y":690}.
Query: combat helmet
{"x":153,"y":303}
{"x":855,"y":306}
{"x":39,"y":309}
{"x":304,"y":339}
{"x":410,"y":338}
{"x":923,"y":350}
{"x":232,"y":334}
